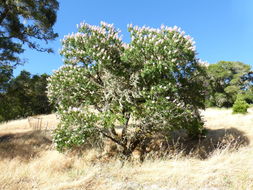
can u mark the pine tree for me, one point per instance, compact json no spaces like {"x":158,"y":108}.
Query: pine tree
{"x":24,"y":22}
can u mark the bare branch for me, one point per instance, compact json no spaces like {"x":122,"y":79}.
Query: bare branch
{"x":125,"y":127}
{"x":111,"y":138}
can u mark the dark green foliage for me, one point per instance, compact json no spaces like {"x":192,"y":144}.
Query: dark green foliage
{"x":227,"y":79}
{"x":5,"y":76}
{"x":23,"y":22}
{"x":240,"y":105}
{"x":248,"y":95}
{"x":24,"y":95}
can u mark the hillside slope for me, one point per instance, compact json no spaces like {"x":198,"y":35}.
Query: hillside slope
{"x":29,"y":160}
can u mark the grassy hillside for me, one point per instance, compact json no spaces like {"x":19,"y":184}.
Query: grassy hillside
{"x":223,"y":160}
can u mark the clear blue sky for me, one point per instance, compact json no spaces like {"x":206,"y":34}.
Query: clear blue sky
{"x":222,"y":29}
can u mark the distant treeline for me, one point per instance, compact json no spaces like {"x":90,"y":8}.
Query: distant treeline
{"x":24,"y":95}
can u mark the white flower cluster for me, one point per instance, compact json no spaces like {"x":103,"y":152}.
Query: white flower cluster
{"x":65,"y":77}
{"x":161,"y":46}
{"x":203,"y":63}
{"x":92,"y":42}
{"x":78,"y":110}
{"x":101,"y":44}
{"x":87,"y":31}
{"x":160,"y":35}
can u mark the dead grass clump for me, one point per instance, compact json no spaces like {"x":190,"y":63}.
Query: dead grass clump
{"x":217,"y":139}
{"x":181,"y":145}
{"x":54,"y":161}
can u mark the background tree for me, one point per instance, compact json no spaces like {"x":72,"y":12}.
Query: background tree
{"x":126,"y":92}
{"x":24,"y":22}
{"x":24,"y":96}
{"x":227,"y":79}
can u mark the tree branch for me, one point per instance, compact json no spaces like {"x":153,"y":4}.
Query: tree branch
{"x":3,"y":15}
{"x":98,"y":80}
{"x":111,"y":138}
{"x":125,"y":127}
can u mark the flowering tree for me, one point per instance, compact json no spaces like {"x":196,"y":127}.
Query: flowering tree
{"x":126,"y":92}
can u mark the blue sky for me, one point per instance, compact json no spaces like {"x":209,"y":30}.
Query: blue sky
{"x":222,"y":29}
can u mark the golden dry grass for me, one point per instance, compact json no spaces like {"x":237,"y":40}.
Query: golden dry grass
{"x":29,"y":161}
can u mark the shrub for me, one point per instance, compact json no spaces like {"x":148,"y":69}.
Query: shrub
{"x":126,"y":92}
{"x":240,"y":105}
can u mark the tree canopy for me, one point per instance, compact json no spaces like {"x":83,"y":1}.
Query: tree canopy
{"x":24,"y":23}
{"x":227,"y":79}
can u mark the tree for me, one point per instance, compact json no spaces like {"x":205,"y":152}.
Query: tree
{"x":19,"y":93}
{"x":24,"y":96}
{"x":126,"y":92}
{"x":39,"y":100}
{"x":24,"y":22}
{"x":227,"y":79}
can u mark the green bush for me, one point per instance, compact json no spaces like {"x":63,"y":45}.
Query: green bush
{"x":240,"y":105}
{"x":126,"y":92}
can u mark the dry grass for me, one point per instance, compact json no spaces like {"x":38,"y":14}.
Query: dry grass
{"x":28,"y":124}
{"x":29,"y":161}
